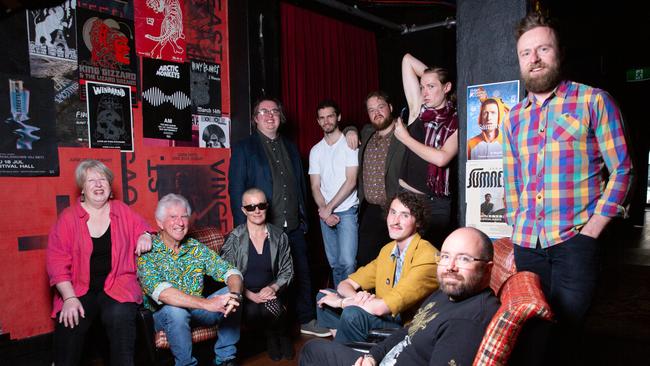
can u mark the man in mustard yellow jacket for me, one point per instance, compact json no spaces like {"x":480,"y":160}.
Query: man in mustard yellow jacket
{"x":402,"y":276}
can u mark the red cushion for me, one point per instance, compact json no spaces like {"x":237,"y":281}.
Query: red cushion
{"x":521,"y":299}
{"x":210,"y":236}
{"x":199,"y":334}
{"x":504,"y":263}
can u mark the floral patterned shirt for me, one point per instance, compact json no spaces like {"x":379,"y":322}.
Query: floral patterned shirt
{"x":161,"y":269}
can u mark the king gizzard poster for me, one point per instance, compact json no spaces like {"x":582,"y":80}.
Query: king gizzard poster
{"x":28,"y":144}
{"x":106,"y":47}
{"x":166,"y":103}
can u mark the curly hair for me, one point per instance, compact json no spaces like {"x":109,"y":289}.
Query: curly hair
{"x":415,"y":204}
{"x":534,"y":20}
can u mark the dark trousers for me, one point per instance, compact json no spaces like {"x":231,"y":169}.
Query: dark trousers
{"x":373,"y":233}
{"x":303,"y":297}
{"x":320,"y":352}
{"x":118,"y":320}
{"x":259,"y":317}
{"x":568,"y":273}
{"x":438,"y":223}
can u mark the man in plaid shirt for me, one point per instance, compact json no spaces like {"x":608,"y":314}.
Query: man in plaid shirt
{"x":567,"y":173}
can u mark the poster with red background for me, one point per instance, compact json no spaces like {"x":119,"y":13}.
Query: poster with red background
{"x":31,"y":204}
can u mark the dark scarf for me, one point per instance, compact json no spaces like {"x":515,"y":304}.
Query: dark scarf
{"x":439,"y":124}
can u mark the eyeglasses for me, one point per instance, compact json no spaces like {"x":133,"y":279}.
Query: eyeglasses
{"x":267,"y":112}
{"x":461,"y":260}
{"x":262,"y":206}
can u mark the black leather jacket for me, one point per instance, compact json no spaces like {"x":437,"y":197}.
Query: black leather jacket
{"x":235,"y":251}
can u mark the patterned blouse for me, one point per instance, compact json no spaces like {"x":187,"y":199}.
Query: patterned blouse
{"x":161,"y":269}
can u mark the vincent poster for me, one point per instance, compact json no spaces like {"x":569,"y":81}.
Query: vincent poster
{"x":28,"y":144}
{"x":487,"y":107}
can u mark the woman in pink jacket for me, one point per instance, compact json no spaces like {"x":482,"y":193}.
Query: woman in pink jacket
{"x":91,"y":261}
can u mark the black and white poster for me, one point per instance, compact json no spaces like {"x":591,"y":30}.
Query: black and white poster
{"x":106,"y":49}
{"x":166,"y":111}
{"x":28,"y":145}
{"x":485,"y":198}
{"x":214,"y":131}
{"x":205,"y":81}
{"x":110,"y":124}
{"x":52,"y":31}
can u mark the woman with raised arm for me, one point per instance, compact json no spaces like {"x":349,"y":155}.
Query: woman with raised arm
{"x":431,"y":139}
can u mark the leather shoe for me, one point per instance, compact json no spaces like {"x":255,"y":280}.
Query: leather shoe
{"x":287,"y":348}
{"x":273,"y":348}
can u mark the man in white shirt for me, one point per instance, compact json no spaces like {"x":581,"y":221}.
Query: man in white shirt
{"x":333,"y":170}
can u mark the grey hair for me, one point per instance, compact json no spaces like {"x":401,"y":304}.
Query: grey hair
{"x":252,"y":191}
{"x":82,"y":170}
{"x":169,"y":200}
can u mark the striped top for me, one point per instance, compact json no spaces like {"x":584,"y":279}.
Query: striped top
{"x":556,"y":159}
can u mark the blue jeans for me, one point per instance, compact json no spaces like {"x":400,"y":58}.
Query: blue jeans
{"x":353,"y":324}
{"x":341,"y":244}
{"x":175,"y":321}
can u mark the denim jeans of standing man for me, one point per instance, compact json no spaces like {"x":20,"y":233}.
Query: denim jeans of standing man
{"x":340,"y":243}
{"x":177,"y":322}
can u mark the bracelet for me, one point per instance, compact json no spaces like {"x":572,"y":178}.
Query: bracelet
{"x":149,"y":234}
{"x":240,"y":297}
{"x":341,"y":304}
{"x":68,"y":298}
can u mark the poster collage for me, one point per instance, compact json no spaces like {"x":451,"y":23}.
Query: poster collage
{"x":487,"y":107}
{"x":92,"y":62}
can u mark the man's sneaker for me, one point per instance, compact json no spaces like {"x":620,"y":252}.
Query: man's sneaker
{"x":312,"y":328}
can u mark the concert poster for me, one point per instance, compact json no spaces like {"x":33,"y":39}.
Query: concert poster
{"x":487,"y":107}
{"x":118,"y":8}
{"x":214,"y":131}
{"x":28,"y":145}
{"x":160,"y":29}
{"x":206,"y":29}
{"x":166,"y":111}
{"x":110,"y":123}
{"x":106,"y":50}
{"x":485,"y":198}
{"x":157,"y":171}
{"x":51,"y":32}
{"x":205,"y":84}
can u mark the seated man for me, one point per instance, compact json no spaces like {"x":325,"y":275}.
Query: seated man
{"x":402,"y":276}
{"x":449,"y":326}
{"x":171,"y":275}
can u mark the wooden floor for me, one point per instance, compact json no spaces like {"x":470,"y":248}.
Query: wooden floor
{"x":261,"y":358}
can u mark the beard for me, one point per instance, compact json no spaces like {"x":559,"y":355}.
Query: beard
{"x":463,"y":288}
{"x":542,"y":83}
{"x":380,"y":126}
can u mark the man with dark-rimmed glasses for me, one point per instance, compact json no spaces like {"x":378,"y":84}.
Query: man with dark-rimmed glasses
{"x":449,"y":325}
{"x":270,"y":162}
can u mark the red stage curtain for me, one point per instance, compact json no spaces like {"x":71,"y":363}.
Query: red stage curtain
{"x":323,"y":58}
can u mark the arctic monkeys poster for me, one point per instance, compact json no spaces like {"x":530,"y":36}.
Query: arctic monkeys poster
{"x":166,"y":111}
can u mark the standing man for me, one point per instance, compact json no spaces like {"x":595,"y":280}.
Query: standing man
{"x":270,"y":162}
{"x":333,"y":174}
{"x":567,"y":173}
{"x":380,"y":162}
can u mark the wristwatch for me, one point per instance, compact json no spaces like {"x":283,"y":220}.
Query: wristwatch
{"x":240,"y":297}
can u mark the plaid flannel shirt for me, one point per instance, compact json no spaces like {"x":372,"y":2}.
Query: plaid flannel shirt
{"x":554,"y":159}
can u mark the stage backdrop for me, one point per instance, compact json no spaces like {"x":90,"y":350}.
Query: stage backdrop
{"x":31,"y":204}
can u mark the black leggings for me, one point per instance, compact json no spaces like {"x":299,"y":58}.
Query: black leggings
{"x":118,"y":320}
{"x":257,"y":316}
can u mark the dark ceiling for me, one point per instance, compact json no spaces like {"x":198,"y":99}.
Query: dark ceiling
{"x":406,"y":13}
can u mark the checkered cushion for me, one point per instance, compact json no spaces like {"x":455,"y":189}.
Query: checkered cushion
{"x":521,"y":299}
{"x":213,"y":239}
{"x":210,"y":236}
{"x":199,"y":334}
{"x":504,"y":263}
